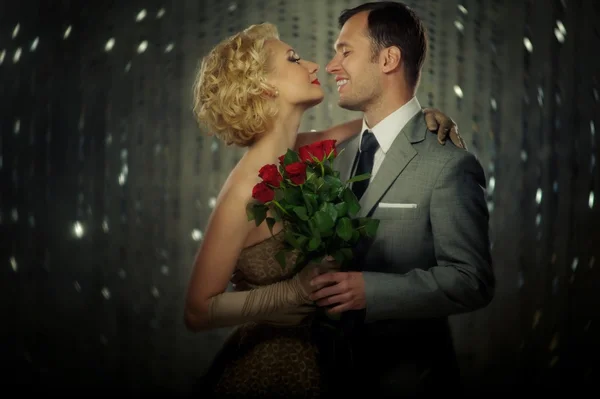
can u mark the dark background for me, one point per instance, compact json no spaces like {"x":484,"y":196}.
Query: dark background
{"x":107,"y":181}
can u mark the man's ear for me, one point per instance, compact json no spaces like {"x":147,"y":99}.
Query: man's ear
{"x":390,"y":59}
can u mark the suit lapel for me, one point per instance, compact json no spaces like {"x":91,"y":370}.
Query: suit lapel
{"x":345,"y":160}
{"x":399,"y":155}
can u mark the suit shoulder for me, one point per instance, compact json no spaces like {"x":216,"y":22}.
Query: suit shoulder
{"x":430,"y":147}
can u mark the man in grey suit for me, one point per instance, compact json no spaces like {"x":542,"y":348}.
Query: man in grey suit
{"x":431,"y":256}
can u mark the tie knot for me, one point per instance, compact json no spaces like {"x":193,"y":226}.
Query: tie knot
{"x":368,"y":142}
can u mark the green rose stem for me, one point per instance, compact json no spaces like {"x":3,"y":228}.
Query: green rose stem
{"x":280,"y":207}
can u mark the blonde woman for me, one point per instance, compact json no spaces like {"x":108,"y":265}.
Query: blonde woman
{"x":251,"y":91}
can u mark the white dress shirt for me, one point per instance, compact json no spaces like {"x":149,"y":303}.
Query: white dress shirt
{"x":388,"y":129}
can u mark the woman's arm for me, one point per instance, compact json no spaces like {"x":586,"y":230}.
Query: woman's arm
{"x":341,"y":133}
{"x":437,"y":122}
{"x":208,"y":305}
{"x":224,"y":238}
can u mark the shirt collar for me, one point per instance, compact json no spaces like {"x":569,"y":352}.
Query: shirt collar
{"x":388,"y":129}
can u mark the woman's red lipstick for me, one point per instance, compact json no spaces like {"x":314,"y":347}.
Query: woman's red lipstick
{"x":316,"y":82}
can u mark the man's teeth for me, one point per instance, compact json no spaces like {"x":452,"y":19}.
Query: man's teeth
{"x":342,"y":82}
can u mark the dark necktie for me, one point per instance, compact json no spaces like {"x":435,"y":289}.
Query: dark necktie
{"x":368,"y":147}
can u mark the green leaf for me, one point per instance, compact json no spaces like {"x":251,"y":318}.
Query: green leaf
{"x":348,"y":254}
{"x":279,"y":194}
{"x":318,"y":184}
{"x":343,"y":255}
{"x":280,"y":258}
{"x":371,"y":227}
{"x":258,"y":213}
{"x":342,"y":209}
{"x":361,"y":221}
{"x":271,"y":222}
{"x":276,"y":215}
{"x":364,"y":176}
{"x":331,"y":210}
{"x":300,"y":261}
{"x":336,"y":187}
{"x":289,"y":237}
{"x":333,"y":181}
{"x":310,"y":186}
{"x":301,"y":240}
{"x":330,"y":193}
{"x":293,"y":196}
{"x":328,"y":233}
{"x":302,"y":228}
{"x":352,"y":201}
{"x":324,"y":191}
{"x":290,"y":157}
{"x":314,"y":228}
{"x":250,"y":211}
{"x":307,"y":203}
{"x":310,"y":200}
{"x":323,"y":221}
{"x":339,"y":256}
{"x":314,"y":243}
{"x":344,"y":229}
{"x":301,"y":212}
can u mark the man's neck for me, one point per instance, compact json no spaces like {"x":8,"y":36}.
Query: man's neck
{"x":385,"y":106}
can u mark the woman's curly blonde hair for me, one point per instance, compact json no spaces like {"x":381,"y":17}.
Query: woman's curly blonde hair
{"x":230,"y":89}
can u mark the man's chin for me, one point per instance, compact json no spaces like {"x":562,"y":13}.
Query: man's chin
{"x":348,"y":105}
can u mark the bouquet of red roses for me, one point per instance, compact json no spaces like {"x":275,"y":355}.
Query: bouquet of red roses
{"x":317,"y":210}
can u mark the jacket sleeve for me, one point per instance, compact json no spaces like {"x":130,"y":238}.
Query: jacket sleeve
{"x":463,"y":278}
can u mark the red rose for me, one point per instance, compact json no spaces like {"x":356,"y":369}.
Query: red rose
{"x":307,"y":152}
{"x":270,"y":175}
{"x":296,"y":172}
{"x":281,"y":159}
{"x":320,"y":150}
{"x":263,"y":193}
{"x":328,"y":146}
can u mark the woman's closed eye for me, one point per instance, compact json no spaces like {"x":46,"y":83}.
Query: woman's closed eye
{"x":293,"y":57}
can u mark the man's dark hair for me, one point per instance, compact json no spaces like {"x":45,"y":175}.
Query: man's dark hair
{"x":394,"y":24}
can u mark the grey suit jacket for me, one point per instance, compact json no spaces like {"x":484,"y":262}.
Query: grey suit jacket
{"x":431,"y":256}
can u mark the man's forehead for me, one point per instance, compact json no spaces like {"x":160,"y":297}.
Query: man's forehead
{"x":350,"y":39}
{"x":353,"y":30}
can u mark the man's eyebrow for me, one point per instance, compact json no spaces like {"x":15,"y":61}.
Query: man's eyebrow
{"x":340,"y":44}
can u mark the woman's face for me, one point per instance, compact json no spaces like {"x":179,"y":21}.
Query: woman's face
{"x":294,"y":78}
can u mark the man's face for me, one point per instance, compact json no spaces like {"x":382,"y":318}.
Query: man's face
{"x":356,"y":73}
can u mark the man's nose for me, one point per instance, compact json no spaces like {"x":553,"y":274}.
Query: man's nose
{"x":332,"y":66}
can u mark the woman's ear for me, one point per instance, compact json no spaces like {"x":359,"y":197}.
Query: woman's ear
{"x":271,"y":93}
